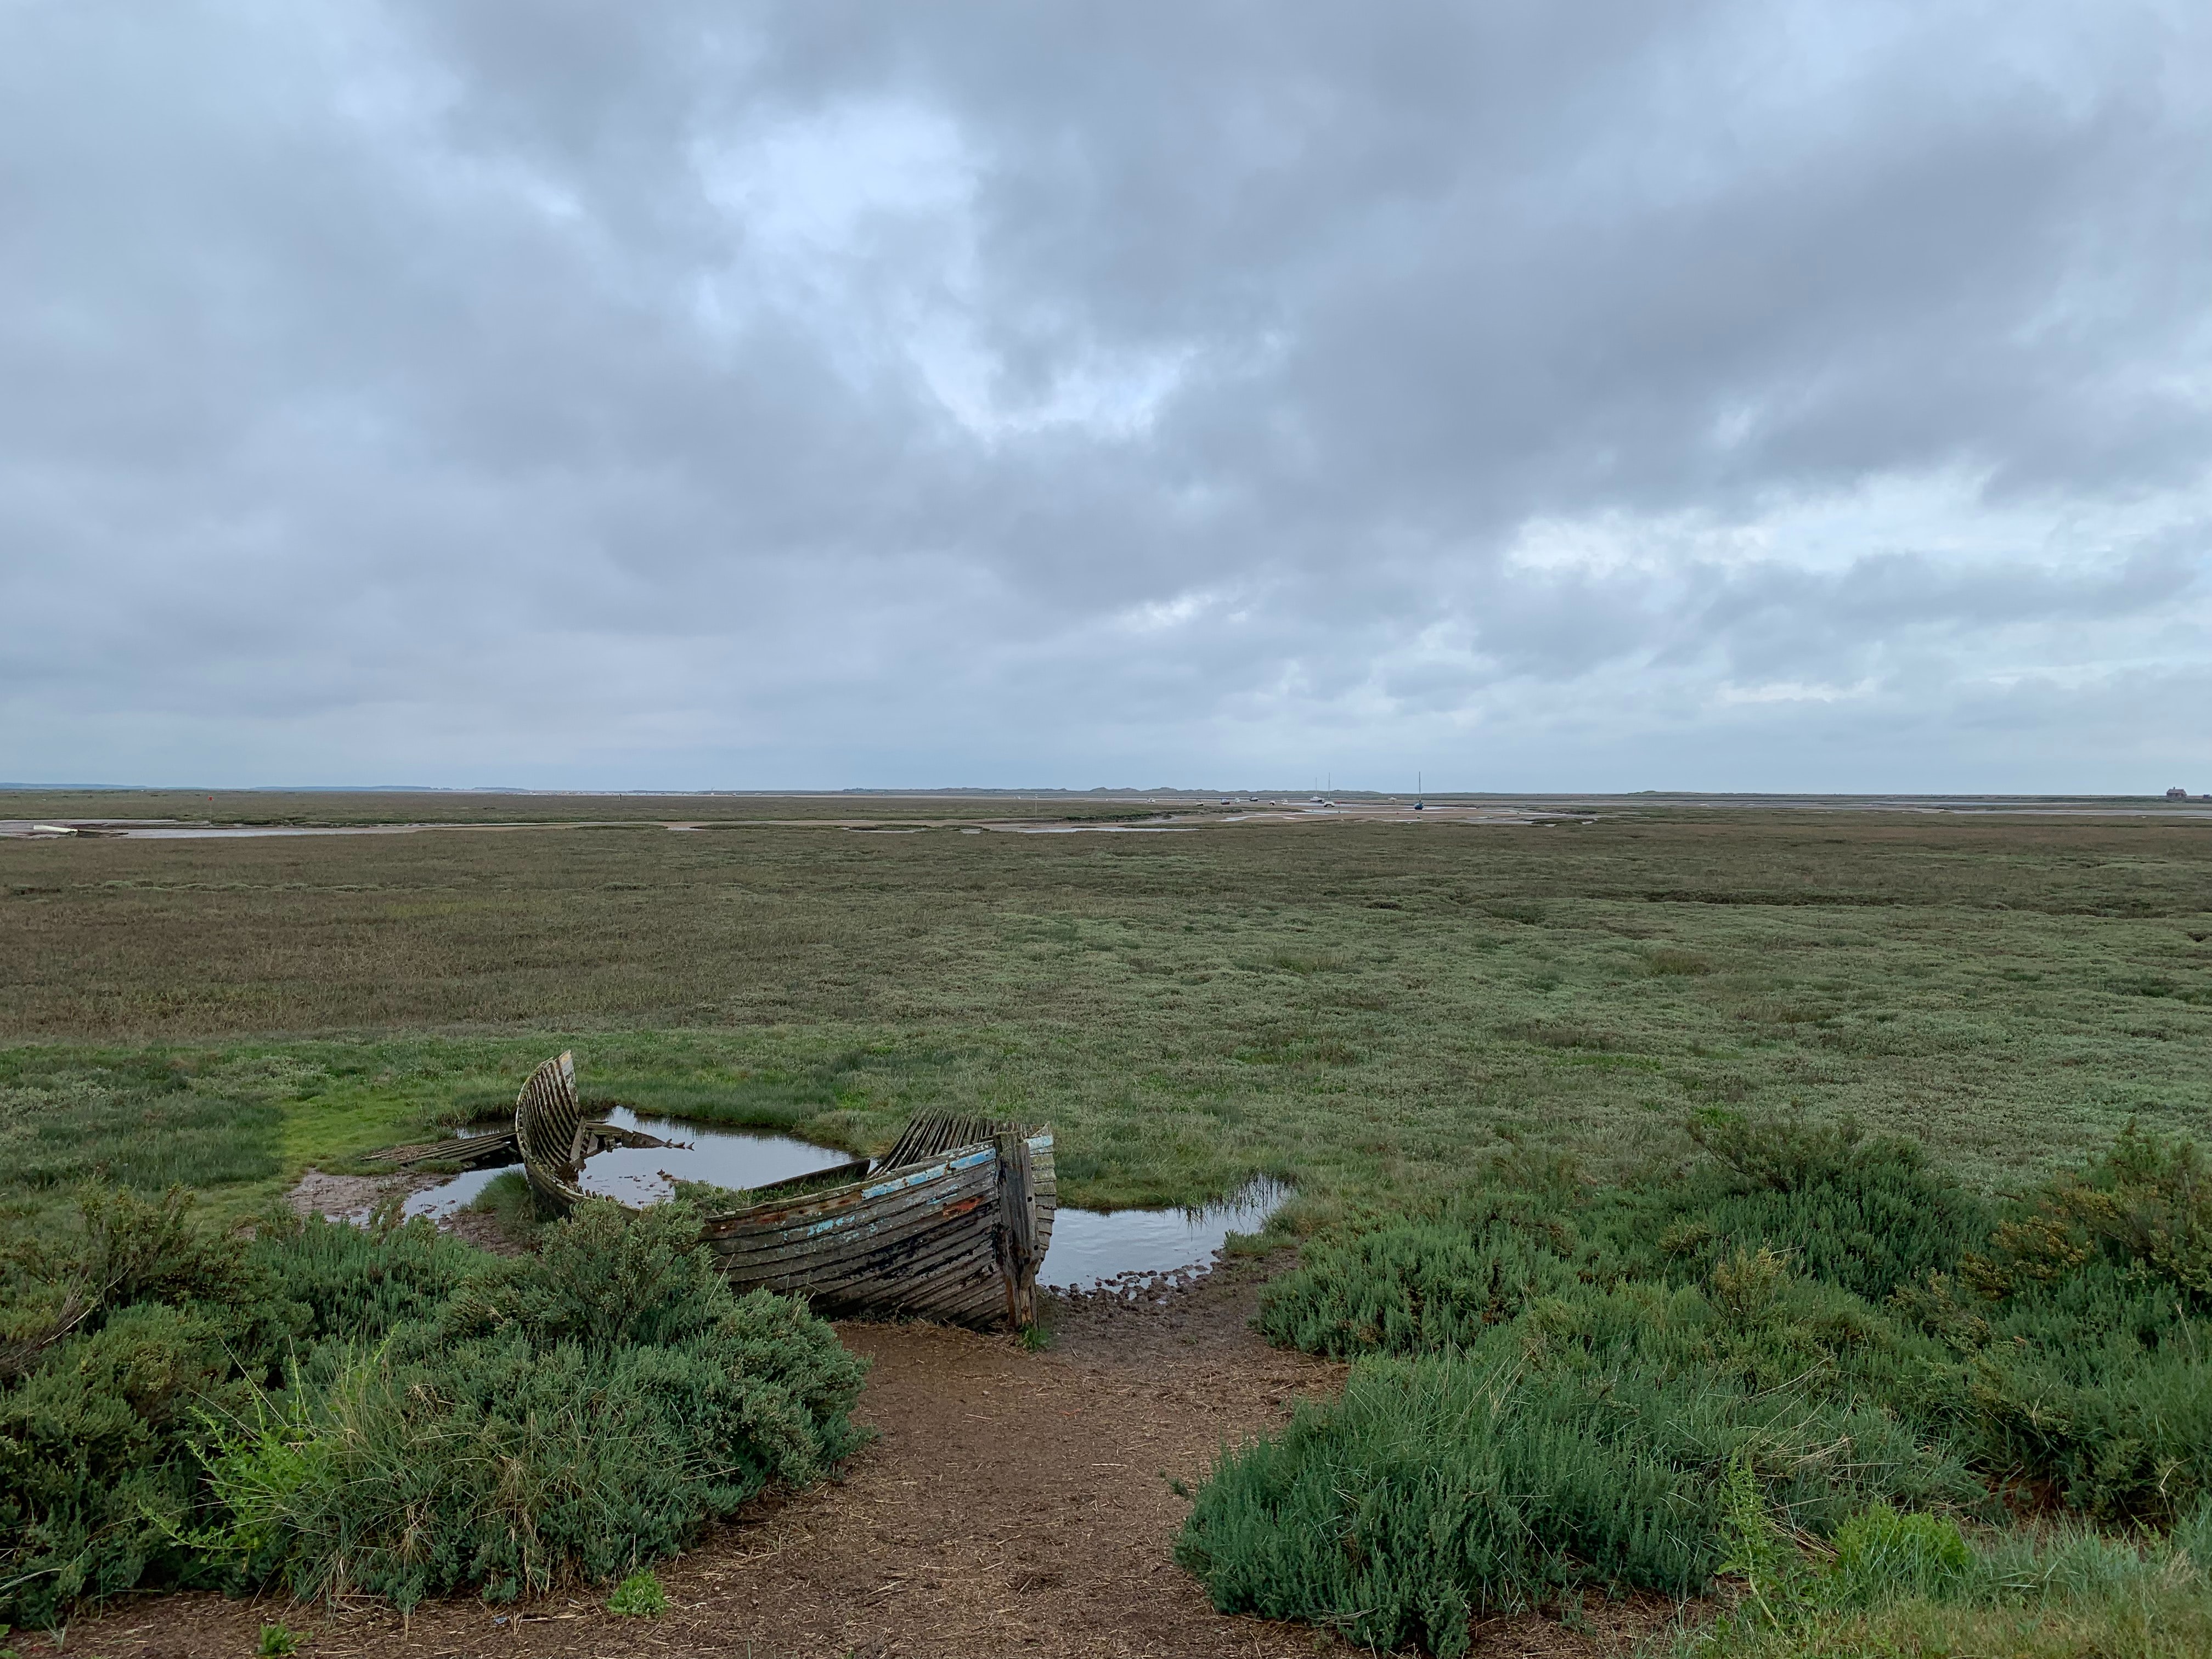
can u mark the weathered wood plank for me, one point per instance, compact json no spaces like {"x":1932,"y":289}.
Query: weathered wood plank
{"x":1014,"y":1233}
{"x":878,"y":1251}
{"x":549,"y":1117}
{"x":882,"y":1254}
{"x":463,"y":1152}
{"x":808,"y":1227}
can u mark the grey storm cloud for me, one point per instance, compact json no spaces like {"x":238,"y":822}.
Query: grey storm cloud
{"x":1746,"y":395}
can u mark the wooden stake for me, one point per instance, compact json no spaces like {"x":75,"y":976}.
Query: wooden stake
{"x":1017,"y":1230}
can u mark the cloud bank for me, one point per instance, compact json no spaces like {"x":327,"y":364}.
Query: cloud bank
{"x":1723,"y":395}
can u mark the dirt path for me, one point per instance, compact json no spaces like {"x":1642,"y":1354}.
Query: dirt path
{"x":1015,"y":1504}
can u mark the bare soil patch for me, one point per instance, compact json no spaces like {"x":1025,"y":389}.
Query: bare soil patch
{"x":317,"y":1192}
{"x":352,"y":1197}
{"x":1015,"y":1502}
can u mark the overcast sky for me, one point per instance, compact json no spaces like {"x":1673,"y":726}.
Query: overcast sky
{"x":1763,"y":395}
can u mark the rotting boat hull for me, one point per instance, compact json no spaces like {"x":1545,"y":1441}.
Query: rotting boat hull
{"x":935,"y":1240}
{"x":955,"y":1235}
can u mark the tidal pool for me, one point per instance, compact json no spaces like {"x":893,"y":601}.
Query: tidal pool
{"x":1089,"y":1248}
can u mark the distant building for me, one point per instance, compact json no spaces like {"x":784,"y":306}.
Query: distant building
{"x":2177,"y":794}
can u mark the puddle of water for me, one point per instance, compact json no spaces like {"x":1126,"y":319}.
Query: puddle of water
{"x":450,"y":1197}
{"x":727,"y":1158}
{"x":228,"y":833}
{"x":101,"y":829}
{"x":1091,"y":1247}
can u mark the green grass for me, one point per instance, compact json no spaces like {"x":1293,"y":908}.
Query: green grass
{"x":135,"y":1118}
{"x":638,"y":1596}
{"x":1358,"y":1006}
{"x":506,"y":1199}
{"x":1932,"y":1592}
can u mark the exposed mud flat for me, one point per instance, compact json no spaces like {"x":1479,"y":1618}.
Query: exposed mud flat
{"x":356,"y":1198}
{"x":340,"y":1196}
{"x":1015,"y":1502}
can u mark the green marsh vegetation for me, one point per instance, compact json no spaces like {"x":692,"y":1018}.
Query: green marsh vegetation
{"x":1361,"y":1007}
{"x":1526,"y":1078}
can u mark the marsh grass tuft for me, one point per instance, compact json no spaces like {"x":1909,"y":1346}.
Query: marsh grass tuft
{"x":639,"y":1596}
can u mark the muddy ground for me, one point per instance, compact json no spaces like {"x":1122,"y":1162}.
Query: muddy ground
{"x":354,"y":1198}
{"x":1015,"y":1502}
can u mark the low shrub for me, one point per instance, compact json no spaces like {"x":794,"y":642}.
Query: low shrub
{"x":342,"y":1411}
{"x":1414,"y":1287}
{"x":115,"y":1332}
{"x":2117,"y":1429}
{"x":1811,"y":1336}
{"x":95,"y":1475}
{"x":1432,"y":1490}
{"x":567,"y":1416}
{"x":2083,"y":1345}
{"x":354,"y":1283}
{"x":1779,"y":1153}
{"x":2143,"y":1209}
{"x":1589,"y":1442}
{"x":1869,"y":1215}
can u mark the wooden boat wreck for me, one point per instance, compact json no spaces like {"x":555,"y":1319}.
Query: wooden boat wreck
{"x":949,"y":1224}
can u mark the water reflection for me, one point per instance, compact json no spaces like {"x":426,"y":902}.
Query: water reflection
{"x":451,"y":1197}
{"x":1093,"y":1246}
{"x":723,"y":1158}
